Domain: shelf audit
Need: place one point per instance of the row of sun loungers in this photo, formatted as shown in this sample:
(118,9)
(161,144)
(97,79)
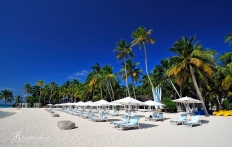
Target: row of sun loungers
(195,120)
(155,116)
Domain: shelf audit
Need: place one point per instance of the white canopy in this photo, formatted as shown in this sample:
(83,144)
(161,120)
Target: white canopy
(152,103)
(80,104)
(49,104)
(89,103)
(114,104)
(128,101)
(102,103)
(187,100)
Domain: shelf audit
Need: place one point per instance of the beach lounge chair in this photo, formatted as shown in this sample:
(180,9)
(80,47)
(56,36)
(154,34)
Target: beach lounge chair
(116,113)
(78,113)
(159,117)
(74,110)
(124,115)
(134,123)
(154,114)
(116,123)
(100,118)
(86,115)
(195,120)
(132,114)
(180,120)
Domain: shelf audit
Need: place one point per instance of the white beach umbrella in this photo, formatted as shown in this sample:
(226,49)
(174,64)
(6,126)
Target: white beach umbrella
(114,104)
(49,104)
(80,104)
(152,103)
(102,103)
(187,100)
(128,101)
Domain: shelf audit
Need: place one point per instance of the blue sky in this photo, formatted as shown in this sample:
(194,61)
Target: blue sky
(60,40)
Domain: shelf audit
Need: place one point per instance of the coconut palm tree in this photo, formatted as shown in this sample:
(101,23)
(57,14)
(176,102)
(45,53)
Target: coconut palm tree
(124,50)
(225,71)
(18,99)
(133,72)
(27,89)
(40,83)
(192,58)
(160,73)
(141,37)
(229,39)
(45,91)
(52,87)
(7,95)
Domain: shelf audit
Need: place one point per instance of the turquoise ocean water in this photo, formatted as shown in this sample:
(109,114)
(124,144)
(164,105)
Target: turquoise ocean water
(5,114)
(7,106)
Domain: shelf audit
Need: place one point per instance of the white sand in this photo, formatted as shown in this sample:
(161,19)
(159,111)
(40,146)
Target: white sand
(39,129)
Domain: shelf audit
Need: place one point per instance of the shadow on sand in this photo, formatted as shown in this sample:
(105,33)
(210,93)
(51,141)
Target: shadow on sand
(145,126)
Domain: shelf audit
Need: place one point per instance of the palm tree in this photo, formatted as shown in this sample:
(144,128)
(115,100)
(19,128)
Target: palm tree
(160,73)
(7,95)
(191,57)
(225,72)
(132,72)
(40,83)
(45,91)
(229,38)
(123,51)
(141,36)
(52,86)
(27,89)
(18,99)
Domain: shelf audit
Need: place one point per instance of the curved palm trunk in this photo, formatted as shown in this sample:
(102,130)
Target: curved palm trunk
(5,102)
(112,91)
(174,88)
(39,97)
(198,91)
(145,52)
(109,93)
(101,91)
(133,89)
(50,97)
(126,77)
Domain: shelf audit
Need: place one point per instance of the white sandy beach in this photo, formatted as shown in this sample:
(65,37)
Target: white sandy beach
(39,129)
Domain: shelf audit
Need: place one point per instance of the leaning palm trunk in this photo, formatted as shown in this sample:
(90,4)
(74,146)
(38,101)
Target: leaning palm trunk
(198,91)
(39,96)
(101,91)
(50,97)
(174,88)
(145,52)
(126,77)
(112,91)
(109,93)
(133,89)
(219,104)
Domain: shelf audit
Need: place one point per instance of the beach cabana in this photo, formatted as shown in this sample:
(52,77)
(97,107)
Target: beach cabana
(187,100)
(128,101)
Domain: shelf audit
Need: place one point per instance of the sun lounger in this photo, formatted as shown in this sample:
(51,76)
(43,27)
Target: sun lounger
(159,117)
(154,114)
(116,113)
(100,118)
(116,123)
(195,120)
(180,120)
(86,115)
(134,123)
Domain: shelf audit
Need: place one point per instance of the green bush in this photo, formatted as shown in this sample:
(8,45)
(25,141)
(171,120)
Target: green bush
(225,104)
(170,106)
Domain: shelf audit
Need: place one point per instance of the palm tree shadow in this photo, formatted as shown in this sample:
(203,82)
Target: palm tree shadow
(145,126)
(140,115)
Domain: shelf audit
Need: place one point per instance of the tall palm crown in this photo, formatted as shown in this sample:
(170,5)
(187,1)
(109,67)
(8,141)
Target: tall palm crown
(7,95)
(18,99)
(141,36)
(229,39)
(160,73)
(27,89)
(191,58)
(124,50)
(225,70)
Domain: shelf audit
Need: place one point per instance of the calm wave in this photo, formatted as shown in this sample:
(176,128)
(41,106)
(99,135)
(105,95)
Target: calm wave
(6,114)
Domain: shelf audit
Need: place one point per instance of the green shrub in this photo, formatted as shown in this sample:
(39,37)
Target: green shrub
(170,106)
